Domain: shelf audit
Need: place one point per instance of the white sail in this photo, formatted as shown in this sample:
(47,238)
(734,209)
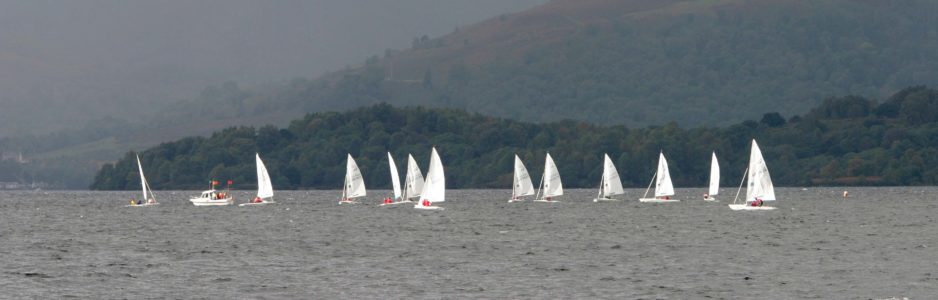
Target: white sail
(434,189)
(552,185)
(264,188)
(143,181)
(663,185)
(395,177)
(354,183)
(522,185)
(760,183)
(714,176)
(413,180)
(611,184)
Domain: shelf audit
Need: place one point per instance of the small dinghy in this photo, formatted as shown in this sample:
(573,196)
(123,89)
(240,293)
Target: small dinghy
(759,188)
(664,189)
(521,185)
(354,186)
(265,190)
(434,189)
(714,179)
(550,182)
(395,185)
(610,184)
(413,181)
(148,198)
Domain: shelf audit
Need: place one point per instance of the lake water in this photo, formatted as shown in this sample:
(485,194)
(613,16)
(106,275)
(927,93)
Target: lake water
(879,243)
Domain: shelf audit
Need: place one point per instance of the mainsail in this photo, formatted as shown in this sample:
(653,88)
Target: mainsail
(552,185)
(413,181)
(434,189)
(760,183)
(663,185)
(264,188)
(354,183)
(714,176)
(147,192)
(522,185)
(395,177)
(611,184)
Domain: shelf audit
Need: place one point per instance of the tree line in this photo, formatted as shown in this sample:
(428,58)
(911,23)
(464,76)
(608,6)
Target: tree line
(844,141)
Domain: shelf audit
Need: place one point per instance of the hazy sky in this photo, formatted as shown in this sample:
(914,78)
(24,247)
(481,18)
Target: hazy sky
(111,52)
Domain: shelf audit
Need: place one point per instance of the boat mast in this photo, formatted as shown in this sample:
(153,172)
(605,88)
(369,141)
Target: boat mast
(539,185)
(741,185)
(649,184)
(599,193)
(406,187)
(514,183)
(151,192)
(344,187)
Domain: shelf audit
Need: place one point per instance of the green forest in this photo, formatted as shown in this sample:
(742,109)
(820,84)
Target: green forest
(844,141)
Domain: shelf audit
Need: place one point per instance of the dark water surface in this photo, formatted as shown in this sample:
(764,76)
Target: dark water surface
(880,243)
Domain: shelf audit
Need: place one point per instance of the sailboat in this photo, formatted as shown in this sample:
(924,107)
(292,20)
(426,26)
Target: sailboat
(760,183)
(664,189)
(610,184)
(550,182)
(521,185)
(265,190)
(434,189)
(714,179)
(354,186)
(395,183)
(148,198)
(413,181)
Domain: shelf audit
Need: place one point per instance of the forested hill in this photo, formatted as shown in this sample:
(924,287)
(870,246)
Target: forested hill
(608,62)
(848,140)
(651,62)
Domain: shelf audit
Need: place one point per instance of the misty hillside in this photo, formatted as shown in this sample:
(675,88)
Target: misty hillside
(643,62)
(63,63)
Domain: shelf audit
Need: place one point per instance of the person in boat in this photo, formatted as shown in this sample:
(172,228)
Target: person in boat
(133,201)
(388,200)
(139,202)
(757,202)
(258,200)
(706,196)
(426,202)
(151,201)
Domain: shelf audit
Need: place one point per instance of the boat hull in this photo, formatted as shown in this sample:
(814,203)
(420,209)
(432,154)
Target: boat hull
(710,199)
(604,200)
(656,200)
(749,207)
(348,202)
(546,201)
(212,202)
(142,205)
(428,207)
(395,203)
(257,203)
